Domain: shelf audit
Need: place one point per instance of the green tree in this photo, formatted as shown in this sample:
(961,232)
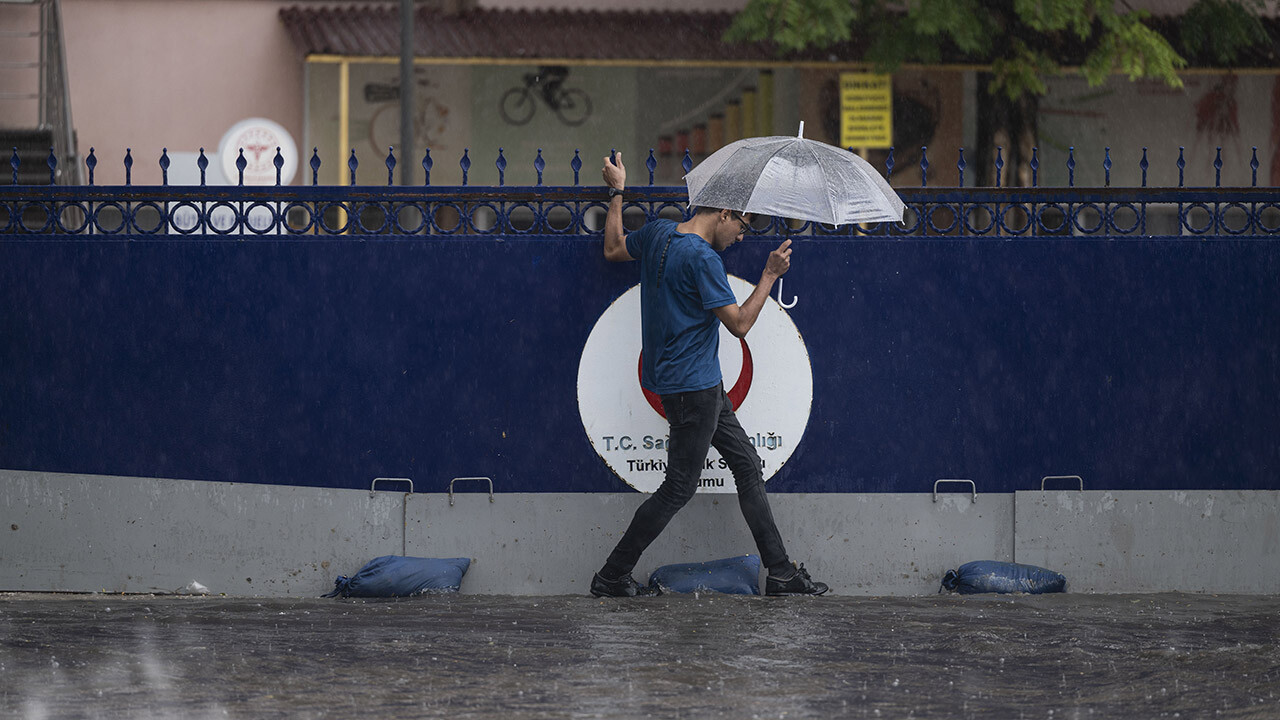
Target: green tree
(1021,42)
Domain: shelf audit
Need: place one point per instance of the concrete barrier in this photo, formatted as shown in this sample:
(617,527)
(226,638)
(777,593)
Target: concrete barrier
(82,533)
(860,544)
(1154,541)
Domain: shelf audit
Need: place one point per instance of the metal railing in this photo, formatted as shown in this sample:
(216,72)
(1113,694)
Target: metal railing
(577,210)
(53,96)
(55,104)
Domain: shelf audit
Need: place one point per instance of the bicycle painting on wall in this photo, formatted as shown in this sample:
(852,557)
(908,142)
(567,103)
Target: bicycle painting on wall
(571,105)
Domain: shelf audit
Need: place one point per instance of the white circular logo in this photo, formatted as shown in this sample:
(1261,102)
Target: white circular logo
(767,376)
(258,138)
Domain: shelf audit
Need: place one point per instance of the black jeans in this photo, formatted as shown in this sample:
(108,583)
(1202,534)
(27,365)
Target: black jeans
(699,420)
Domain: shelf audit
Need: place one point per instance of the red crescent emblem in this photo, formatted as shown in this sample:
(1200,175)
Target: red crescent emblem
(736,395)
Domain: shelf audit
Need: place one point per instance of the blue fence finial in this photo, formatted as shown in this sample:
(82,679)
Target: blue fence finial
(465,164)
(687,162)
(1217,169)
(128,166)
(52,162)
(1182,164)
(14,162)
(501,164)
(352,164)
(241,164)
(888,164)
(651,164)
(572,202)
(1071,166)
(427,162)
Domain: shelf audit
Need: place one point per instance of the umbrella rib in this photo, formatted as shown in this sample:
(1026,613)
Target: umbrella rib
(835,220)
(712,173)
(781,146)
(859,183)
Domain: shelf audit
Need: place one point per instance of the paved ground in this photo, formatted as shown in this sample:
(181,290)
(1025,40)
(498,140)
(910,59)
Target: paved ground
(468,656)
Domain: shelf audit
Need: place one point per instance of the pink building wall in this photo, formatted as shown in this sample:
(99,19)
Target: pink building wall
(176,74)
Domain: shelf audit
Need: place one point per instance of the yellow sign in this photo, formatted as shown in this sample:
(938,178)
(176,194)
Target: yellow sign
(866,110)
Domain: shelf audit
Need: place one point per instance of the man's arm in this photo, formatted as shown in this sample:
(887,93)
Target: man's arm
(738,319)
(615,240)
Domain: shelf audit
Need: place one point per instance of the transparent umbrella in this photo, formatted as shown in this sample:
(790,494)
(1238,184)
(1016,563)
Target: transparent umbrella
(793,177)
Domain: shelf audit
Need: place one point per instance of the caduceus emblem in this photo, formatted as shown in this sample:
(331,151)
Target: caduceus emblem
(259,147)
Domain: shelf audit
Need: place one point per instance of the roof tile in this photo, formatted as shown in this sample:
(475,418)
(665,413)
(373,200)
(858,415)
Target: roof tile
(643,36)
(374,30)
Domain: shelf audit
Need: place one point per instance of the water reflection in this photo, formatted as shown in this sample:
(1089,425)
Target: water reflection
(675,656)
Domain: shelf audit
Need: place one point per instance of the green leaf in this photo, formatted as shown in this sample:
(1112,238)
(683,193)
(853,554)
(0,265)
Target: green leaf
(1218,30)
(1022,73)
(1134,49)
(794,25)
(965,22)
(1011,34)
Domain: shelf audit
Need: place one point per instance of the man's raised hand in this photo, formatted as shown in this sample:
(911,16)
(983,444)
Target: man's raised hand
(779,260)
(615,174)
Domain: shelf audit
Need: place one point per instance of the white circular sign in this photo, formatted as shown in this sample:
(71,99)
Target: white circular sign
(259,138)
(767,375)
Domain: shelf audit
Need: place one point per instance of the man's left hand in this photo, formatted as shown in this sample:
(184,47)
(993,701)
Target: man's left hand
(779,260)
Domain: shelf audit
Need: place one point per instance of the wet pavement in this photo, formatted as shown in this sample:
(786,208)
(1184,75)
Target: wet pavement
(708,656)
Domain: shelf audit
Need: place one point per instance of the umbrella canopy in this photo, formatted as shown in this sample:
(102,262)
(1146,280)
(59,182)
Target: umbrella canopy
(793,177)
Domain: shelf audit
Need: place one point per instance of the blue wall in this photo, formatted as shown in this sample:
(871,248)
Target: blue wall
(1136,364)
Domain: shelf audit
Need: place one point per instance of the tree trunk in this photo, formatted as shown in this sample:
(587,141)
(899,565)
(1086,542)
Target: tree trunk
(1006,129)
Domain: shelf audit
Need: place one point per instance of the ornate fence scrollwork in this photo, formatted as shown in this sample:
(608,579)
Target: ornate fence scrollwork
(301,212)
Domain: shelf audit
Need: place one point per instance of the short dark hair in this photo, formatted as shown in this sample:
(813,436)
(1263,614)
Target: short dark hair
(701,210)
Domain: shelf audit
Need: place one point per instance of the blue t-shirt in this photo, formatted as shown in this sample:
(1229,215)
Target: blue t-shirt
(681,335)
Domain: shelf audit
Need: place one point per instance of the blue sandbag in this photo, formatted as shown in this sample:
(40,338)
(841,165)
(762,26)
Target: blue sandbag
(735,576)
(990,576)
(400,576)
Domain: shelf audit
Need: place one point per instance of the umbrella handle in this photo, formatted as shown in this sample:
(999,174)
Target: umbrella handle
(786,305)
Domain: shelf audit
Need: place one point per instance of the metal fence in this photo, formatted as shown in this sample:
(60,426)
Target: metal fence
(389,210)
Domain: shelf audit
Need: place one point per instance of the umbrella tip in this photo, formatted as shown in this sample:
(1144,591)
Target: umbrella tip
(801,135)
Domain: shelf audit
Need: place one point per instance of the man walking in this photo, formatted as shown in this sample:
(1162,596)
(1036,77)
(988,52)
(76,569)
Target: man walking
(684,298)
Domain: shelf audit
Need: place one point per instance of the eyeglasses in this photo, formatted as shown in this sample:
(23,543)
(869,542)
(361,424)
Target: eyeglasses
(745,225)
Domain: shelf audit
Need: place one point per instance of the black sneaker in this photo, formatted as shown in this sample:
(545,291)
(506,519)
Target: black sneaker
(798,584)
(625,586)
